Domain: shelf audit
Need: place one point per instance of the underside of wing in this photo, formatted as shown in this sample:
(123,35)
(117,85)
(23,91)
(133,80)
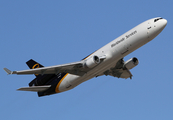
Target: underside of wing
(122,68)
(72,68)
(120,73)
(35,88)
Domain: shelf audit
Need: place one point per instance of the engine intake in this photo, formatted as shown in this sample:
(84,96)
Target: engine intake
(131,63)
(91,62)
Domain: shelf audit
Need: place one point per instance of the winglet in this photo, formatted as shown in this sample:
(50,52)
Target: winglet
(8,71)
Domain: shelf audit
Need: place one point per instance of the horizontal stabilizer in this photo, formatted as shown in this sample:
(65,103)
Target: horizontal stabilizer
(35,88)
(8,71)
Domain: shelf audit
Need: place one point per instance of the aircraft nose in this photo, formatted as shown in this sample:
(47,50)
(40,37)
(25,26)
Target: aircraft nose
(164,22)
(160,25)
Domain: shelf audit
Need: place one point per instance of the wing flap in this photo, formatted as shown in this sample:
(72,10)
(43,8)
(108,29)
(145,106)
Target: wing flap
(35,88)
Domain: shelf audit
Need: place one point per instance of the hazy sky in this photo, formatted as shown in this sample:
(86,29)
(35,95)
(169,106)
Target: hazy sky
(63,31)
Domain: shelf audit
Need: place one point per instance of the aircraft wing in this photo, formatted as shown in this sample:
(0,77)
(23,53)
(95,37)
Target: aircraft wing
(75,68)
(119,71)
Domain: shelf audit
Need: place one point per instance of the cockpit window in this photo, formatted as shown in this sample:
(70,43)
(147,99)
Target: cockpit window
(155,20)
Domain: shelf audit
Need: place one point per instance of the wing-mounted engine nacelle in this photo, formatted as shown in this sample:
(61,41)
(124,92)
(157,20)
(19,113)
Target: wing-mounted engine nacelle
(91,62)
(131,63)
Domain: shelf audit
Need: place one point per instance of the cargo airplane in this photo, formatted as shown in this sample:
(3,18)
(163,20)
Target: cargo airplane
(107,60)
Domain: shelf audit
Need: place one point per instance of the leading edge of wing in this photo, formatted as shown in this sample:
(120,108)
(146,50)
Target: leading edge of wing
(49,70)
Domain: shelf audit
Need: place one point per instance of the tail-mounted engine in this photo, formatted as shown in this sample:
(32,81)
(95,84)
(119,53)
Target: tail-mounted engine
(91,62)
(131,63)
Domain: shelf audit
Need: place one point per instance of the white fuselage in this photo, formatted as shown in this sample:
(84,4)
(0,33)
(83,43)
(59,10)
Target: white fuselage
(115,50)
